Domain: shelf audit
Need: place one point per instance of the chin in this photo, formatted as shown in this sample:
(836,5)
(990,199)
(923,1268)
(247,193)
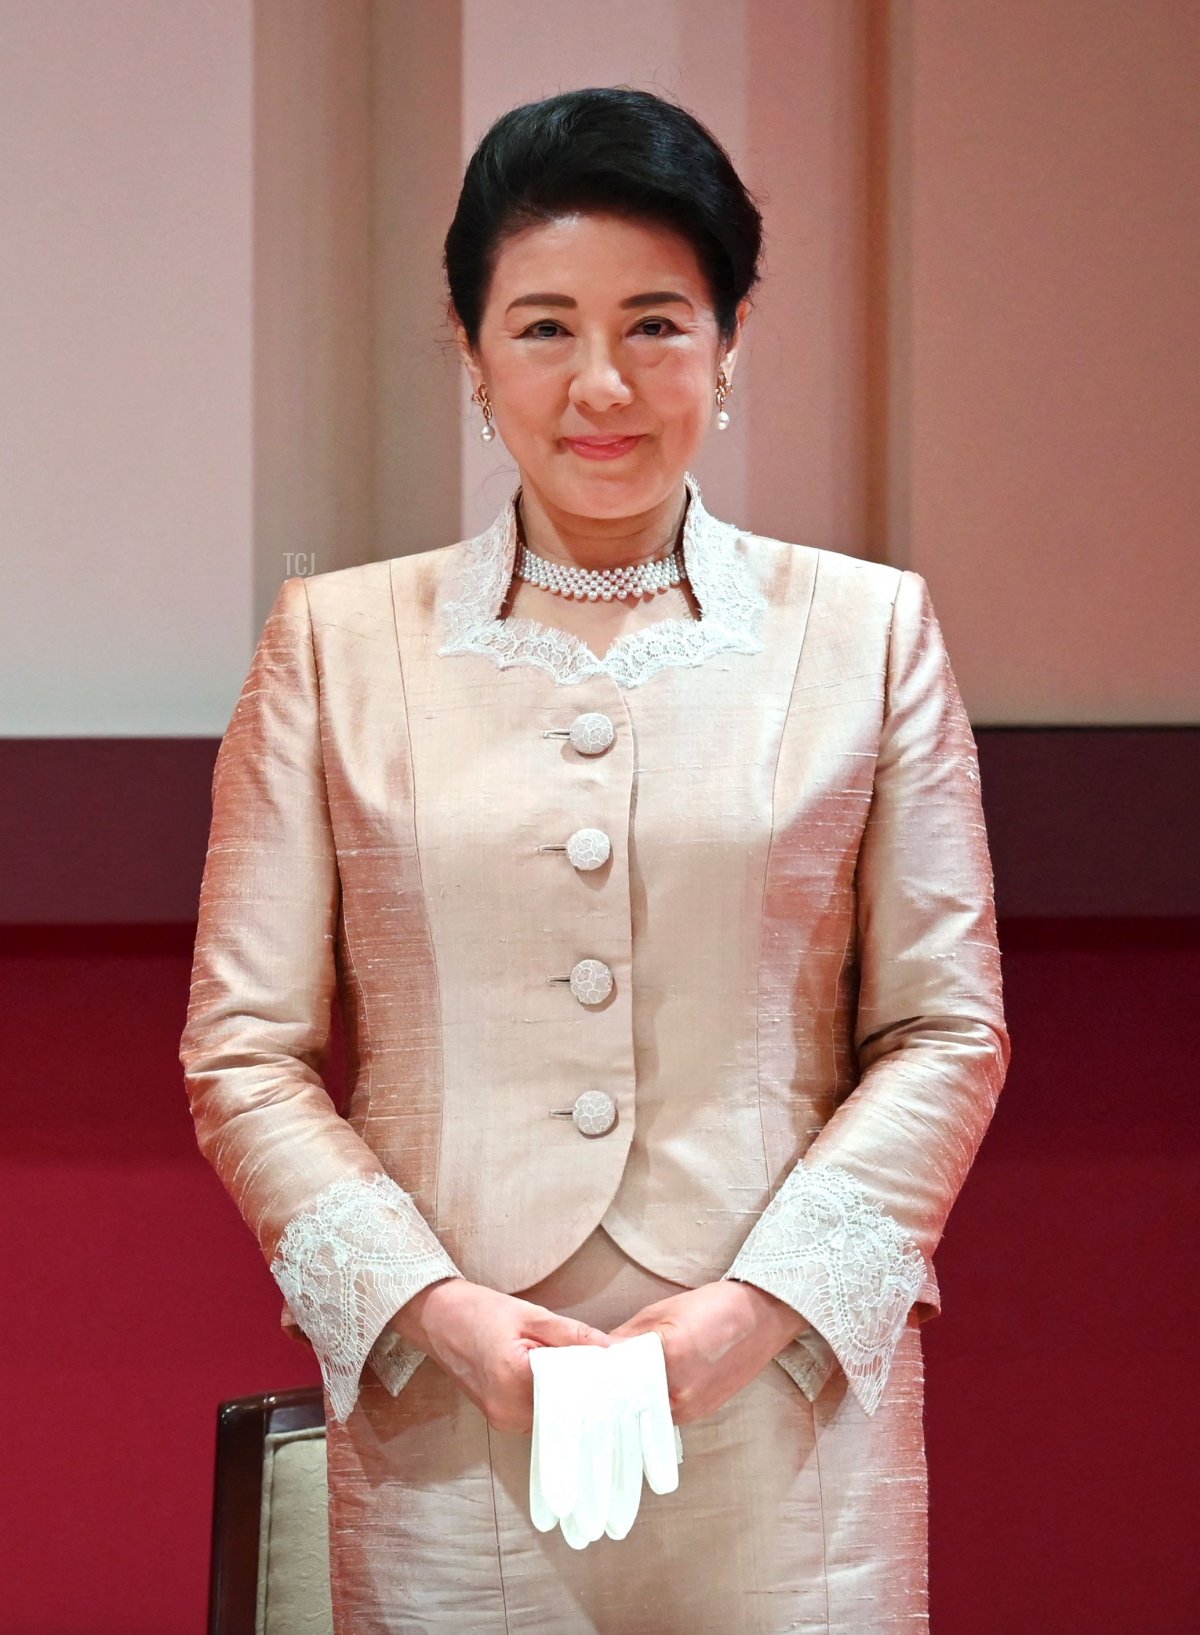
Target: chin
(607,489)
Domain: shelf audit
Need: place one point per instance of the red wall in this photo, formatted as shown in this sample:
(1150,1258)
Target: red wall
(1063,1474)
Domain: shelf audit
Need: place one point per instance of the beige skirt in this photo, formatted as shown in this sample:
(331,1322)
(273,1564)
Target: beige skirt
(789,1515)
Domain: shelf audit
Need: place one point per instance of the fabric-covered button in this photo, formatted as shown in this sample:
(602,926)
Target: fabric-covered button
(589,848)
(591,733)
(591,981)
(594,1113)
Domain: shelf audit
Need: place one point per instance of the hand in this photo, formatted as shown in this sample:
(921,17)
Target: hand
(716,1339)
(483,1338)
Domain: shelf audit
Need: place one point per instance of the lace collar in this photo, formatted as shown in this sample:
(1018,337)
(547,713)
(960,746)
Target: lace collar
(731,607)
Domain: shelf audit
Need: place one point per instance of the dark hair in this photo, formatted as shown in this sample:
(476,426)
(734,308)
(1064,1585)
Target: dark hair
(606,148)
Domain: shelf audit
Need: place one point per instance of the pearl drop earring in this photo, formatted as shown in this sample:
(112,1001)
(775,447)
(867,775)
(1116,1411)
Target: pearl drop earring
(723,389)
(480,396)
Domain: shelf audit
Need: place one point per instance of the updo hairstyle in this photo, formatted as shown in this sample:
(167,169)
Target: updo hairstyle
(613,149)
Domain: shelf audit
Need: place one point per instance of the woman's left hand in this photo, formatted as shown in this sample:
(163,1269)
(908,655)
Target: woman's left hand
(716,1339)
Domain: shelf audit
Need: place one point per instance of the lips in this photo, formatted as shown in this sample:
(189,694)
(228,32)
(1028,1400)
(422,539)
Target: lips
(602,448)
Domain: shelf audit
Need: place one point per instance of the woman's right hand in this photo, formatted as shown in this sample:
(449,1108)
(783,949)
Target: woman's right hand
(483,1338)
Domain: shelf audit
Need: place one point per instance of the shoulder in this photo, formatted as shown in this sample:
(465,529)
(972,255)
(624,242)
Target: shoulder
(830,579)
(878,601)
(366,583)
(344,584)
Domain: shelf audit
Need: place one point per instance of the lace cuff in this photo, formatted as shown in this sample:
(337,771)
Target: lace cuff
(823,1246)
(346,1264)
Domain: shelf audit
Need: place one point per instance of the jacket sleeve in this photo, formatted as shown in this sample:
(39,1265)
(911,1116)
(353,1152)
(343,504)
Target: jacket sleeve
(346,1244)
(848,1238)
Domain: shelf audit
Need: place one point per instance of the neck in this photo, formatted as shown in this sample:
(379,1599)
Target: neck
(600,542)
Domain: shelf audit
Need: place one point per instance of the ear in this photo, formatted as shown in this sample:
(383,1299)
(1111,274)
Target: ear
(469,360)
(729,358)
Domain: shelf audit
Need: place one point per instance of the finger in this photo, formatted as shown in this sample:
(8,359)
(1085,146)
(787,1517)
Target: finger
(551,1329)
(540,1513)
(643,1320)
(573,1533)
(658,1431)
(591,1508)
(562,1434)
(658,1448)
(627,1477)
(602,1463)
(559,1426)
(595,1399)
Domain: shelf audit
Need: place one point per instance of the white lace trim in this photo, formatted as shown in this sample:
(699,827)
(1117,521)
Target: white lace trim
(827,1249)
(731,607)
(346,1264)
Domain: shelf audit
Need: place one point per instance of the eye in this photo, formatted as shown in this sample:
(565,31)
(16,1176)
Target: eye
(542,323)
(548,329)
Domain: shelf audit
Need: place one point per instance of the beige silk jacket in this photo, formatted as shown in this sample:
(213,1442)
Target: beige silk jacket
(695,941)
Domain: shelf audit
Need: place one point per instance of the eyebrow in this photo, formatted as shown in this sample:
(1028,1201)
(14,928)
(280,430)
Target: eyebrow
(652,298)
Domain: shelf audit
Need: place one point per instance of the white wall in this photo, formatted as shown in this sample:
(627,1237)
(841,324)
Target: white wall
(126,386)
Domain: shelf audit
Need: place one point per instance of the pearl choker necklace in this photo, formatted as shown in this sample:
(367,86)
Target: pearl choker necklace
(599,584)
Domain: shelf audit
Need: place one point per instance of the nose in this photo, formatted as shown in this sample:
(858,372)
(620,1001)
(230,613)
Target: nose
(597,383)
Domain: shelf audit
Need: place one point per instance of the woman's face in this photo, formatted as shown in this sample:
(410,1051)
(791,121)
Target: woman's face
(595,328)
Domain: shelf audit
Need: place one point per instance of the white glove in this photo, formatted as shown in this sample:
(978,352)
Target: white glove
(601,1418)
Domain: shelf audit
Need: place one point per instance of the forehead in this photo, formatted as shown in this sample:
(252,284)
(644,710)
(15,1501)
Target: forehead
(595,255)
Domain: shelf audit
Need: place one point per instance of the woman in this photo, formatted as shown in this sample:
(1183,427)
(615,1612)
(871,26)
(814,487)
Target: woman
(663,930)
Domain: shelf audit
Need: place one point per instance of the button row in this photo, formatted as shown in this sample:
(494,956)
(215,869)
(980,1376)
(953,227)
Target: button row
(594,1112)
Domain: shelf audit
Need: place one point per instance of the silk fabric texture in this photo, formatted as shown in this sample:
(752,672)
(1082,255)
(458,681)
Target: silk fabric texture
(805,1036)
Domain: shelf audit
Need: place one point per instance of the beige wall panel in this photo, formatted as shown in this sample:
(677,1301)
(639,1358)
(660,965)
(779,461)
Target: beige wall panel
(313,347)
(417,171)
(1048,393)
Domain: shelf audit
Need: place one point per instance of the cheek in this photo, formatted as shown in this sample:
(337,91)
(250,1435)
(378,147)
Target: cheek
(529,395)
(681,378)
